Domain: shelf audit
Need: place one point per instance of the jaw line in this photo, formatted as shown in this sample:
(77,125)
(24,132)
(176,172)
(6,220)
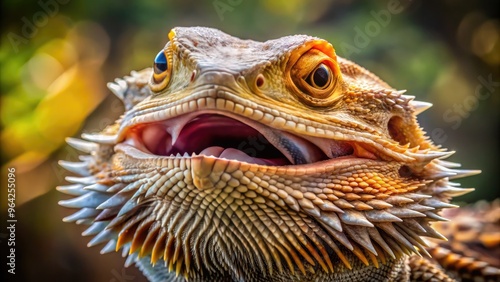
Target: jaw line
(324,165)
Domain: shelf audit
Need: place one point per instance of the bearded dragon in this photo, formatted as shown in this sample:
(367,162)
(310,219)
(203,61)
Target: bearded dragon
(238,160)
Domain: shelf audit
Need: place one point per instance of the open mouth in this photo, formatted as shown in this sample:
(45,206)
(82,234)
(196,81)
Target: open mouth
(235,139)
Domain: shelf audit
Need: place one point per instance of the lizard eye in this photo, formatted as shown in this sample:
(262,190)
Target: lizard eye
(315,75)
(162,69)
(160,64)
(320,77)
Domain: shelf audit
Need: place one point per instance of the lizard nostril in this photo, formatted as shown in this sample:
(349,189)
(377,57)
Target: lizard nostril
(259,81)
(193,75)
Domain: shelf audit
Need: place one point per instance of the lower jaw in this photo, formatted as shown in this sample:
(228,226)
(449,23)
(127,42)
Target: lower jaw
(340,162)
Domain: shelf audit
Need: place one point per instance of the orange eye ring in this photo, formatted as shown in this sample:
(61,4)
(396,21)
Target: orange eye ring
(162,70)
(314,75)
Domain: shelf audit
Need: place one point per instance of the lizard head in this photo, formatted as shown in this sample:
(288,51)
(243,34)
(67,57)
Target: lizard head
(276,156)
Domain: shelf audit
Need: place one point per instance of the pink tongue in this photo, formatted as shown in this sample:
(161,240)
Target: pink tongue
(212,151)
(231,154)
(235,154)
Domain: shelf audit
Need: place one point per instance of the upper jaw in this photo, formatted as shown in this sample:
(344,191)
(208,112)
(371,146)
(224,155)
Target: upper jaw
(162,125)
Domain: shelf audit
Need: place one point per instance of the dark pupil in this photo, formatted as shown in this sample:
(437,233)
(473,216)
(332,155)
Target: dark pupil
(320,76)
(160,63)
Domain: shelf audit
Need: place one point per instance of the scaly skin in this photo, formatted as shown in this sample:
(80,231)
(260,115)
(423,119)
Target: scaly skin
(351,192)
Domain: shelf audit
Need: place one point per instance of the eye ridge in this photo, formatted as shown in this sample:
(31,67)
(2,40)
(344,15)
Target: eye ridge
(320,77)
(160,63)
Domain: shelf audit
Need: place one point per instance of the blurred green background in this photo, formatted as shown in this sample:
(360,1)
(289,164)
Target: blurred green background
(56,57)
